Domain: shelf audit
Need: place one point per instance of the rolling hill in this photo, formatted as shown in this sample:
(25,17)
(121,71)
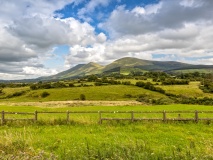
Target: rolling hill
(128,63)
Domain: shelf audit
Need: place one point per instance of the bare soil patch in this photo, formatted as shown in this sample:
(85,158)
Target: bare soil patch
(73,103)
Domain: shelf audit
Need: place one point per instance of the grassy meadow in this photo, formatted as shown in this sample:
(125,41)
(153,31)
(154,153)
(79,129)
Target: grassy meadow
(83,138)
(51,137)
(112,92)
(186,90)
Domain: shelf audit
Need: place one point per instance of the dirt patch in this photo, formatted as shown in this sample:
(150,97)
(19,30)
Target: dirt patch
(73,103)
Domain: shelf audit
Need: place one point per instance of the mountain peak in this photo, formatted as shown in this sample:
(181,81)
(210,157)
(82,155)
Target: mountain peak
(127,64)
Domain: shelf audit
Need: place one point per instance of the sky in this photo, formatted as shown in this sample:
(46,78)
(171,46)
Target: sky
(45,37)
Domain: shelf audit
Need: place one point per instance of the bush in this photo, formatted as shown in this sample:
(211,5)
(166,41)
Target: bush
(82,97)
(128,96)
(71,85)
(16,94)
(33,87)
(126,83)
(44,94)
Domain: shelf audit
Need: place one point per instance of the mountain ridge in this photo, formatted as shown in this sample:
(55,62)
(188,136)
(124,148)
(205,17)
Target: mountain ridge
(81,70)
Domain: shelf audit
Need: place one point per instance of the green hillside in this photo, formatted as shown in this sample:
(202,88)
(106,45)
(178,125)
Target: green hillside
(126,65)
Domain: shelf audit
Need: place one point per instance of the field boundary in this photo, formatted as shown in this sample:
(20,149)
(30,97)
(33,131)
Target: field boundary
(104,115)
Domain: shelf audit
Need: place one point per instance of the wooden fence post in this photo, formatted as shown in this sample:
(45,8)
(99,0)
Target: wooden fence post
(132,116)
(164,116)
(36,116)
(100,118)
(196,116)
(68,116)
(2,118)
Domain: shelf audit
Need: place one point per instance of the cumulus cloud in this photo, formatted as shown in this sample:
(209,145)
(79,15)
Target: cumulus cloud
(44,32)
(12,49)
(13,9)
(79,54)
(90,7)
(166,14)
(29,30)
(178,28)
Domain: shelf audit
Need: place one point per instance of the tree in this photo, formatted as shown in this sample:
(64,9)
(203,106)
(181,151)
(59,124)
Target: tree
(82,97)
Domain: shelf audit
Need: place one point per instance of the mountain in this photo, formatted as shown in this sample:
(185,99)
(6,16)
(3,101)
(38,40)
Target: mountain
(147,65)
(127,64)
(77,71)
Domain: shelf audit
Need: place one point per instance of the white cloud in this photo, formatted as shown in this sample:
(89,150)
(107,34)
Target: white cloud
(139,10)
(90,7)
(38,71)
(13,49)
(29,31)
(43,32)
(101,38)
(79,54)
(165,15)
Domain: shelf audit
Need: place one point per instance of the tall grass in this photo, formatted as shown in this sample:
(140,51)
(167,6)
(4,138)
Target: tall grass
(83,138)
(108,141)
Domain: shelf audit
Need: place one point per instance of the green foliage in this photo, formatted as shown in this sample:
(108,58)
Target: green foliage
(44,94)
(58,85)
(82,97)
(92,78)
(128,96)
(2,85)
(1,91)
(149,86)
(71,85)
(16,94)
(172,81)
(207,86)
(126,83)
(33,87)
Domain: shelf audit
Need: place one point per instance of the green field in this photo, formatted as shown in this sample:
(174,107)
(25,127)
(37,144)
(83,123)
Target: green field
(84,138)
(112,92)
(52,137)
(191,90)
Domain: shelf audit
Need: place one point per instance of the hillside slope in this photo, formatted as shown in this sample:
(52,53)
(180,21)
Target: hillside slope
(128,63)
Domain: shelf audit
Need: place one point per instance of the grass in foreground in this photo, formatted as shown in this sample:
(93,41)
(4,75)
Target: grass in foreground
(86,139)
(108,141)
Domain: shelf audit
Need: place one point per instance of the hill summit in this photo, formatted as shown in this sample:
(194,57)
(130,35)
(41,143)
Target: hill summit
(127,63)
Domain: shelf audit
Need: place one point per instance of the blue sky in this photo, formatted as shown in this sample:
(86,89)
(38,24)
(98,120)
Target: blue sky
(44,37)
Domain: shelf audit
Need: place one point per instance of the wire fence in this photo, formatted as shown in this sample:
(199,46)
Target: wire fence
(101,116)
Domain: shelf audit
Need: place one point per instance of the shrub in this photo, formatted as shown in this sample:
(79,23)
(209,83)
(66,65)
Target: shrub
(128,96)
(33,87)
(1,91)
(45,94)
(98,84)
(71,85)
(126,83)
(82,97)
(18,93)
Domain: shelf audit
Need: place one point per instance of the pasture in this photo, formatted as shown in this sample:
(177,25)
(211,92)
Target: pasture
(111,92)
(84,138)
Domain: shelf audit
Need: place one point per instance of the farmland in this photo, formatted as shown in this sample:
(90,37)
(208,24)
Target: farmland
(84,138)
(52,136)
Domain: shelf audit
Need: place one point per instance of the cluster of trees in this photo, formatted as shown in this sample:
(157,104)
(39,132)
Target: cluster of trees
(192,76)
(172,81)
(149,86)
(47,85)
(194,100)
(207,86)
(13,85)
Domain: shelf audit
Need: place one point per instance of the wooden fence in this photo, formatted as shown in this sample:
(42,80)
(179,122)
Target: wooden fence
(104,115)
